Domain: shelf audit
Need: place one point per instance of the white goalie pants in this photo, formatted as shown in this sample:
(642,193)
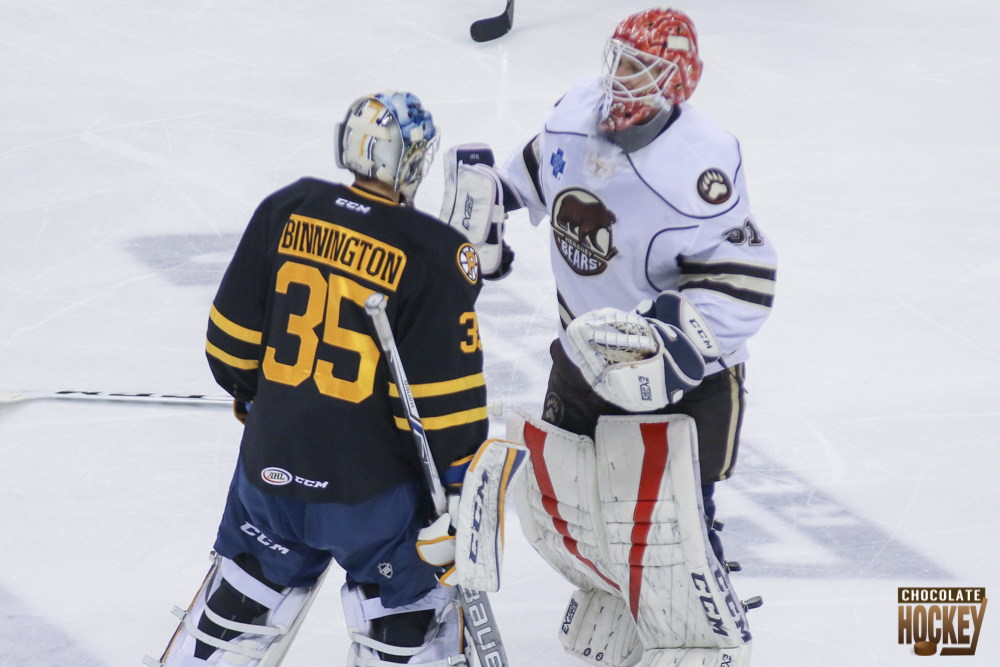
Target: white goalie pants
(623,520)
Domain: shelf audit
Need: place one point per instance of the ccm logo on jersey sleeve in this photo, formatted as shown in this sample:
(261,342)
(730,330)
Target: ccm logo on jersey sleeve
(343,248)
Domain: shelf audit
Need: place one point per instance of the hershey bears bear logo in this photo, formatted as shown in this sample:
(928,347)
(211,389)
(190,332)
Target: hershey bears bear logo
(581,225)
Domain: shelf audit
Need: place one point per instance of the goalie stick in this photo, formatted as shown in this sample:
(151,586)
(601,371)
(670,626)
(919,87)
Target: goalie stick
(480,623)
(485,30)
(119,397)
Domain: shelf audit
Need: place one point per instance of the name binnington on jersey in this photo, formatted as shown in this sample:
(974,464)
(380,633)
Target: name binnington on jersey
(343,248)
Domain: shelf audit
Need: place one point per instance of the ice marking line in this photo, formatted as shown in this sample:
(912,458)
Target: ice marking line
(778,524)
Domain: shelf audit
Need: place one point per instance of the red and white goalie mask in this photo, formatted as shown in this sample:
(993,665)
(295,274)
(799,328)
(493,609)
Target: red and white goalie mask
(650,63)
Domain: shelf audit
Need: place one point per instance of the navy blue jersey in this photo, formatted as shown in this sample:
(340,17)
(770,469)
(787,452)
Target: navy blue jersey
(288,331)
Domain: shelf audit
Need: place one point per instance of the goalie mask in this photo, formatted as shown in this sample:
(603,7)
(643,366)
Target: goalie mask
(650,63)
(388,137)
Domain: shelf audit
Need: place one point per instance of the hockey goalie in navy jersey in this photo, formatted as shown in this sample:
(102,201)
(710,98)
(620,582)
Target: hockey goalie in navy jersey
(662,275)
(327,466)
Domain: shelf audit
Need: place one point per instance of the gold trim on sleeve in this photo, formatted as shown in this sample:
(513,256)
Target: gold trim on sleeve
(446,421)
(441,388)
(233,329)
(230,360)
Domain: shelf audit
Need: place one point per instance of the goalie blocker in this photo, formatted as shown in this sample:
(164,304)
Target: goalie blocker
(622,520)
(475,202)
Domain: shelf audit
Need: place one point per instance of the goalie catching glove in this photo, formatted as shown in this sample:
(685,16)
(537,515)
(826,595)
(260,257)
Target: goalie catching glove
(676,309)
(474,203)
(639,365)
(467,541)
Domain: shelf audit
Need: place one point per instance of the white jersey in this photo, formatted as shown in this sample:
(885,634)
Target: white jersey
(673,215)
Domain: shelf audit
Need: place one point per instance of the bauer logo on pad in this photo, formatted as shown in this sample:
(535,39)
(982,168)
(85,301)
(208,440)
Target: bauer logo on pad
(929,617)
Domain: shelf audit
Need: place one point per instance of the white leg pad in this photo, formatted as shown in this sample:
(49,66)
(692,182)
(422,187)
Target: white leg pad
(698,657)
(479,527)
(442,645)
(257,645)
(558,503)
(676,589)
(598,629)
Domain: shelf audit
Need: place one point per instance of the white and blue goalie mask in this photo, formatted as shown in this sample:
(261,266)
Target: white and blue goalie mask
(390,137)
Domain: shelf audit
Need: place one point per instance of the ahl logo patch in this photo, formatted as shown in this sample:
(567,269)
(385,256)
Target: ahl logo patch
(468,262)
(581,225)
(714,186)
(385,569)
(276,476)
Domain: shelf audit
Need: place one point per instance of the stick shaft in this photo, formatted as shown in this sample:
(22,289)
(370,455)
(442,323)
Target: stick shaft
(375,307)
(117,397)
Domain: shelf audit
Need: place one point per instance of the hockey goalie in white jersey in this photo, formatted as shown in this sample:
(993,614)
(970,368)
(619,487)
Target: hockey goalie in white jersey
(662,274)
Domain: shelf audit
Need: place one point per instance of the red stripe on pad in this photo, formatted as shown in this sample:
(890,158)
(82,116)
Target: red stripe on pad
(534,438)
(654,464)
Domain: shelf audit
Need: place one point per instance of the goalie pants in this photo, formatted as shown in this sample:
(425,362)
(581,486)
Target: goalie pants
(716,406)
(294,540)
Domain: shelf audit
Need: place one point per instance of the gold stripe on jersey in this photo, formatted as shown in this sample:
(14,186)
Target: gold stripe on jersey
(345,249)
(230,360)
(462,461)
(233,329)
(445,421)
(441,388)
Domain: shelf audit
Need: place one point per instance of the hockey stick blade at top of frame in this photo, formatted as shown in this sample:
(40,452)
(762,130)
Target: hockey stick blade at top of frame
(7,397)
(485,30)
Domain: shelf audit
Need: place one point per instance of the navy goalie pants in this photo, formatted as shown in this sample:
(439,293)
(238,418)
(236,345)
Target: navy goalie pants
(374,541)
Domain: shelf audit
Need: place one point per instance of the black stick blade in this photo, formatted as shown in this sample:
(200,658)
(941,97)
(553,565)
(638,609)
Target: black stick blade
(485,30)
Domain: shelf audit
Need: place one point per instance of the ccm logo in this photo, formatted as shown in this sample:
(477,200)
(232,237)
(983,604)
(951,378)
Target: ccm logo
(477,517)
(254,531)
(281,477)
(352,206)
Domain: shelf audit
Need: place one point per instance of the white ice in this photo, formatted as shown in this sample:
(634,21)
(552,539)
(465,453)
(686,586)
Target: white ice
(137,137)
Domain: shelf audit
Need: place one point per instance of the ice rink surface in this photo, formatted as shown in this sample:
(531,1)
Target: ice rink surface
(136,138)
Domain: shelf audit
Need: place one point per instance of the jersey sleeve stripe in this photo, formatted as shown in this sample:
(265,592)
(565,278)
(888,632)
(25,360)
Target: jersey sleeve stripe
(446,421)
(755,298)
(529,159)
(230,360)
(762,271)
(734,280)
(565,314)
(441,388)
(233,329)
